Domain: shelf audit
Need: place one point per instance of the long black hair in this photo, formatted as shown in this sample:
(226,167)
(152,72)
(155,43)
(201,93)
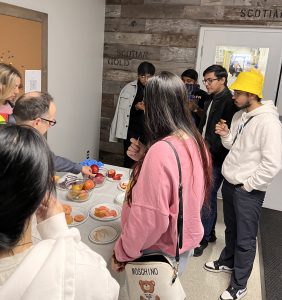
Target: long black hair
(166,113)
(26,177)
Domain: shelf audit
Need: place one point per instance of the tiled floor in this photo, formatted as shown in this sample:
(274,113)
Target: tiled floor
(201,284)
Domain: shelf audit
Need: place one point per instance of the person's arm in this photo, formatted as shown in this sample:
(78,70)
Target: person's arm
(62,164)
(271,158)
(144,227)
(52,225)
(222,130)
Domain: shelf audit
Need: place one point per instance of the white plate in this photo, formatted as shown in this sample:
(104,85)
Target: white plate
(110,206)
(123,182)
(120,199)
(124,176)
(103,235)
(78,211)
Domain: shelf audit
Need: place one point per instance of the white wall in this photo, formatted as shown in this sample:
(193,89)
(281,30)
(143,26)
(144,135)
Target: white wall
(75,62)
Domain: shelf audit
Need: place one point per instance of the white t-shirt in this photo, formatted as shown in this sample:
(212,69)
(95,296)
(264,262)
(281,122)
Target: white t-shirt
(205,127)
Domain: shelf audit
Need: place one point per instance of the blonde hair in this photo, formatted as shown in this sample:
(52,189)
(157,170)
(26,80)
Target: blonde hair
(8,77)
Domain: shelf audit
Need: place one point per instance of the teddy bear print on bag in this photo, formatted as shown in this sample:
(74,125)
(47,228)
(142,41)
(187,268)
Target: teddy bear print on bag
(148,288)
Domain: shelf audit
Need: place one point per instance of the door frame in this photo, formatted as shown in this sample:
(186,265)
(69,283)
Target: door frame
(211,27)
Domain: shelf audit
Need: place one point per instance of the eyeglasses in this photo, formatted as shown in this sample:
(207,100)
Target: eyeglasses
(51,123)
(237,93)
(209,80)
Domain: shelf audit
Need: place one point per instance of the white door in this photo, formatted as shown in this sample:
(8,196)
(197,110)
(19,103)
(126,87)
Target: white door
(244,48)
(238,49)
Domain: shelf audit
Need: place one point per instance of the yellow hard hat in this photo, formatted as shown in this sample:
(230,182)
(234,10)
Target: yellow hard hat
(250,81)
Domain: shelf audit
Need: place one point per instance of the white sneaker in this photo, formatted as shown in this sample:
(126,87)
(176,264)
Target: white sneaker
(233,294)
(214,266)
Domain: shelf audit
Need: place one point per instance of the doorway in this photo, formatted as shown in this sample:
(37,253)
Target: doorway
(240,48)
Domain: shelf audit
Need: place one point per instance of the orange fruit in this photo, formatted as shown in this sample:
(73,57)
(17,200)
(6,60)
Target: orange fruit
(88,185)
(79,218)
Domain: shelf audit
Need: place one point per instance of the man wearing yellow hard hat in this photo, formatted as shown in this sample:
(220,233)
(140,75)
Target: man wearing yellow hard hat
(255,143)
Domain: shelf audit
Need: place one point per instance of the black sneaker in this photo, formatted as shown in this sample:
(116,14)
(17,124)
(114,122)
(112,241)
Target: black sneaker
(199,250)
(213,237)
(233,294)
(214,266)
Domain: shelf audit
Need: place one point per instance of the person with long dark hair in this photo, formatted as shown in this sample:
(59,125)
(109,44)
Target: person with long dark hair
(149,216)
(60,266)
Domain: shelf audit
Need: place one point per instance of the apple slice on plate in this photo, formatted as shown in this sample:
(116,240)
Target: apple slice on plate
(122,186)
(116,175)
(105,211)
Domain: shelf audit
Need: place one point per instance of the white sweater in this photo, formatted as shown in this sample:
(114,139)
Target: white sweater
(60,267)
(256,156)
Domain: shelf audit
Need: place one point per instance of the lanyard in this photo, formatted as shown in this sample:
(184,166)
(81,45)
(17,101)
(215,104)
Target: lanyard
(240,128)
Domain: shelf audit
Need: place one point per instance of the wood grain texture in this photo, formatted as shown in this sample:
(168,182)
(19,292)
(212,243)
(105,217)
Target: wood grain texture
(112,11)
(175,26)
(164,32)
(125,25)
(227,2)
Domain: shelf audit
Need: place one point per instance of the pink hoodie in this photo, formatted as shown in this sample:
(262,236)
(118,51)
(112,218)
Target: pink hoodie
(151,221)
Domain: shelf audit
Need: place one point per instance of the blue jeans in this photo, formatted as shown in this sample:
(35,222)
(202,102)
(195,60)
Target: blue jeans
(209,213)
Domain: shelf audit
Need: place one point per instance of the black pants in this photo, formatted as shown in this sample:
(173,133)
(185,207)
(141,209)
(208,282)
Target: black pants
(241,217)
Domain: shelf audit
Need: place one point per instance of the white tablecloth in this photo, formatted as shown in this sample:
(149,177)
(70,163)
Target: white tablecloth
(106,193)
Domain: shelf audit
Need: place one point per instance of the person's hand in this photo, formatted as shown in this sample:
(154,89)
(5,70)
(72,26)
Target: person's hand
(136,150)
(221,128)
(193,105)
(140,105)
(117,266)
(48,208)
(86,170)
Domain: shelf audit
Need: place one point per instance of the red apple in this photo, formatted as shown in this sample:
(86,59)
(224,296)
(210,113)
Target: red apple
(111,173)
(94,168)
(99,178)
(99,175)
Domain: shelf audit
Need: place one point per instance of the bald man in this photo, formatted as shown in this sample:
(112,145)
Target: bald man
(38,110)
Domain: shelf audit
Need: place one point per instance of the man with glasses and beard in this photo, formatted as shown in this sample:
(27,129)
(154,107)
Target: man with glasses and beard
(38,110)
(255,144)
(219,107)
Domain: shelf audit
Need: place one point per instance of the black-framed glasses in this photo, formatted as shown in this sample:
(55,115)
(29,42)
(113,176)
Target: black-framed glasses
(209,80)
(51,122)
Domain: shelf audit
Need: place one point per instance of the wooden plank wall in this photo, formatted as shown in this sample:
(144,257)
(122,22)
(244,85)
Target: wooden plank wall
(164,32)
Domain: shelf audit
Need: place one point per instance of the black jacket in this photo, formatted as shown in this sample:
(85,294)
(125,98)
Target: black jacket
(224,108)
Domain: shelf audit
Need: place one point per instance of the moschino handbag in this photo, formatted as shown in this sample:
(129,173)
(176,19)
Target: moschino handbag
(155,276)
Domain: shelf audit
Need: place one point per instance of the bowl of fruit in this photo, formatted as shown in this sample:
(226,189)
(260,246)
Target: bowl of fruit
(79,190)
(100,177)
